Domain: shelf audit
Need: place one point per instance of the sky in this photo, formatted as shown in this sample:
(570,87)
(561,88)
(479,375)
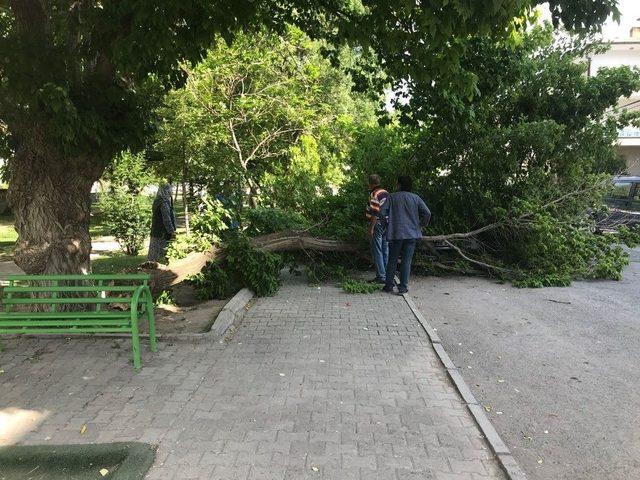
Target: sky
(630,13)
(629,17)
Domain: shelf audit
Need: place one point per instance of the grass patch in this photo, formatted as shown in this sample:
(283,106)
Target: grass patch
(117,262)
(97,227)
(8,237)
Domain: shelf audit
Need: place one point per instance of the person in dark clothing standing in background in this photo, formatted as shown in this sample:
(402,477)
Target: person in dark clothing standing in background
(163,224)
(379,246)
(404,214)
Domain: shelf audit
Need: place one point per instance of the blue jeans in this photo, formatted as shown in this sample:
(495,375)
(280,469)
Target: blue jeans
(379,250)
(403,249)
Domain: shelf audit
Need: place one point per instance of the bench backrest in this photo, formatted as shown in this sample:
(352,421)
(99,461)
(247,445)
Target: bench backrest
(86,291)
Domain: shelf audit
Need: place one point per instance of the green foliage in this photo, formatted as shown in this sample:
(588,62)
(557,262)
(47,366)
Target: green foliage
(264,220)
(79,80)
(358,286)
(165,298)
(212,219)
(533,149)
(320,272)
(131,171)
(243,266)
(267,115)
(207,226)
(183,245)
(127,217)
(257,269)
(213,282)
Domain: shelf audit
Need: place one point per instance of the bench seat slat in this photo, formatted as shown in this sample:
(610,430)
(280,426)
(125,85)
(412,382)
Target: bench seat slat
(64,315)
(68,331)
(64,300)
(29,324)
(62,278)
(97,289)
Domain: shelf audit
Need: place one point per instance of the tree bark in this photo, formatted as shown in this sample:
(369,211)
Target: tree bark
(51,200)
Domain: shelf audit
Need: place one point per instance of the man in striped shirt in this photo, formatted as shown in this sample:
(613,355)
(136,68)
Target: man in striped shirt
(379,246)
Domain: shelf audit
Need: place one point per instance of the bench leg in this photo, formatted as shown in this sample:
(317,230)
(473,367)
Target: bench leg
(135,342)
(152,324)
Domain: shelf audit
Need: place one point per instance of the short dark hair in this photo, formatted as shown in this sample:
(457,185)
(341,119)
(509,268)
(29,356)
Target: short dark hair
(405,183)
(374,179)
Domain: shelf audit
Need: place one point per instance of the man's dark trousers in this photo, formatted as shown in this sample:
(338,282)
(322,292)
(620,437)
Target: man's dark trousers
(400,249)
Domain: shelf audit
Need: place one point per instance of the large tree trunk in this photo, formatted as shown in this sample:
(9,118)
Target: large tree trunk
(50,198)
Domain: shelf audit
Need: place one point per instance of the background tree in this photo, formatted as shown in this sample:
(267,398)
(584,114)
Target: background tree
(266,116)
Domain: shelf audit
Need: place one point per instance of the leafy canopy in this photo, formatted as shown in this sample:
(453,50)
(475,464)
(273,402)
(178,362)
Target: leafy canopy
(82,74)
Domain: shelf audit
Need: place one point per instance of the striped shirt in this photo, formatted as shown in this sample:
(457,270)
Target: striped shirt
(377,197)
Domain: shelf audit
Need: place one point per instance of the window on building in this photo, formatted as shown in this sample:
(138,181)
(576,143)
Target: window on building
(635,32)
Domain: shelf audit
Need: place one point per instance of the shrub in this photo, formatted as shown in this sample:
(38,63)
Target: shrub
(128,218)
(243,266)
(257,269)
(264,220)
(214,283)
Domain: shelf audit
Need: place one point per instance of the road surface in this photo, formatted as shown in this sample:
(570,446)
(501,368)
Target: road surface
(557,368)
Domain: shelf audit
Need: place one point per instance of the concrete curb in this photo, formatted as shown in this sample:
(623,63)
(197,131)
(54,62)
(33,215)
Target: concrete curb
(512,470)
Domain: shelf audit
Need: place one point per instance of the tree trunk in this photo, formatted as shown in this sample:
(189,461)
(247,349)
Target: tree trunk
(253,193)
(51,200)
(185,207)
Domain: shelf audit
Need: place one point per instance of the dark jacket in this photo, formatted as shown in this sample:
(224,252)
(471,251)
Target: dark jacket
(163,221)
(405,214)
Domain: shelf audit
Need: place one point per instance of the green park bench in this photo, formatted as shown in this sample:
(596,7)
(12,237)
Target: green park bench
(89,296)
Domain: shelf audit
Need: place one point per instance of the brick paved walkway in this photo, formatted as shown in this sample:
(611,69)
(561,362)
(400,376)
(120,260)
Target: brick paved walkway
(315,384)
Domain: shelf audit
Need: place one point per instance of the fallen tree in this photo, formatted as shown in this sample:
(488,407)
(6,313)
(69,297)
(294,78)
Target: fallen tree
(164,276)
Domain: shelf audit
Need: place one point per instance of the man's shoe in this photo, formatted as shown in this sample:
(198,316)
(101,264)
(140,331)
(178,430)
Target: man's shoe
(387,289)
(379,280)
(402,292)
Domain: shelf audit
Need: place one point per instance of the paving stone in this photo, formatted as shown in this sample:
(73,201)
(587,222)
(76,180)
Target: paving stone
(314,384)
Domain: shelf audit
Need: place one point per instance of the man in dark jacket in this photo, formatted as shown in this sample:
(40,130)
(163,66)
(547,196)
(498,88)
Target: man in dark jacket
(405,214)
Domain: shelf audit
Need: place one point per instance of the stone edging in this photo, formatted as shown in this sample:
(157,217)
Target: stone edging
(228,319)
(502,452)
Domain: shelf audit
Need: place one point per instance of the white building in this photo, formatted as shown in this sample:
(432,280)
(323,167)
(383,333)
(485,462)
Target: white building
(625,50)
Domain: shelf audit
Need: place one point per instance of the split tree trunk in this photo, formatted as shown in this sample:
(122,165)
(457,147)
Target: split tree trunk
(51,200)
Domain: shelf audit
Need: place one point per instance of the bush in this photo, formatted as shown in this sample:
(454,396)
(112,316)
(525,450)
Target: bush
(128,218)
(264,220)
(214,283)
(243,266)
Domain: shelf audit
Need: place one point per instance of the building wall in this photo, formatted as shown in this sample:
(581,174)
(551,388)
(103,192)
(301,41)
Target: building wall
(631,155)
(624,52)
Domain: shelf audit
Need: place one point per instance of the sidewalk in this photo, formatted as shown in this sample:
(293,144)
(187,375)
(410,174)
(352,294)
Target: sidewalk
(315,384)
